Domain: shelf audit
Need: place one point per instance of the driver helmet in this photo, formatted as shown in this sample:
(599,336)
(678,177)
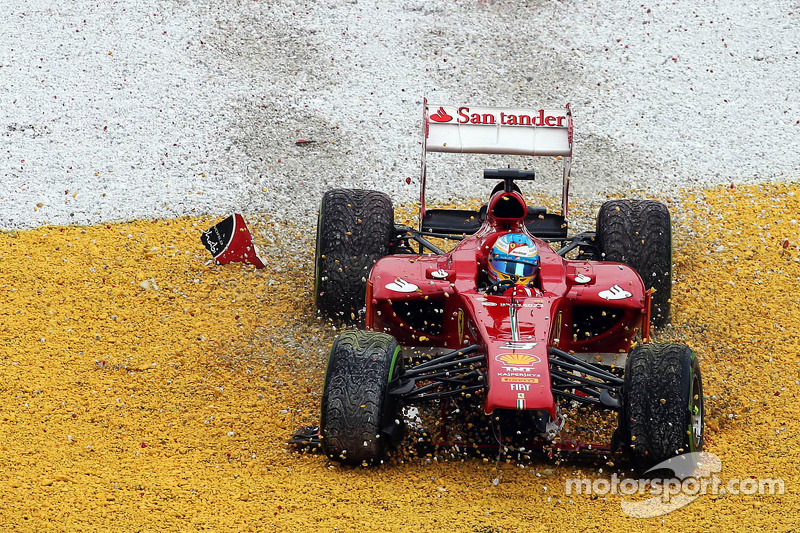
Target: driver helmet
(514,257)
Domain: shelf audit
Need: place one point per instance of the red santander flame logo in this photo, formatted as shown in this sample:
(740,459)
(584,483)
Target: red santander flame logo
(441,116)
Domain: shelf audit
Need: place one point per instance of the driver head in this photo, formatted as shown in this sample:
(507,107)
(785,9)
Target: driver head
(514,257)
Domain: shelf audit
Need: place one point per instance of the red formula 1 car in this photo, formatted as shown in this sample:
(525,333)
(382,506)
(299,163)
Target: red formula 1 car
(521,350)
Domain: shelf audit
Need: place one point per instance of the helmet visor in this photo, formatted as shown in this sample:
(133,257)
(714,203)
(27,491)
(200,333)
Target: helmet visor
(517,269)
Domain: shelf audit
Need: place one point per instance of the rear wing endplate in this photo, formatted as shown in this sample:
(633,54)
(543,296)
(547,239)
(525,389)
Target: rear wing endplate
(497,130)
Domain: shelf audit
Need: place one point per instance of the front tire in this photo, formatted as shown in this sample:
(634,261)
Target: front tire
(354,229)
(662,414)
(639,234)
(360,421)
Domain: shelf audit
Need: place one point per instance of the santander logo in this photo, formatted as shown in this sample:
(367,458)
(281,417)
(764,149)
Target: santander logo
(441,116)
(538,118)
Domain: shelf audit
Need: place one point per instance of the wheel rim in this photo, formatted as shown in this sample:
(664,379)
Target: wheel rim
(696,414)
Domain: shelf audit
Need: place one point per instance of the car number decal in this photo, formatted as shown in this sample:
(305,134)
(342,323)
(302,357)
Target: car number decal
(512,345)
(401,285)
(615,293)
(439,274)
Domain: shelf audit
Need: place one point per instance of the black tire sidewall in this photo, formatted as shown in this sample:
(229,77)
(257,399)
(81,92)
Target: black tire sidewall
(656,418)
(318,257)
(354,229)
(622,225)
(356,409)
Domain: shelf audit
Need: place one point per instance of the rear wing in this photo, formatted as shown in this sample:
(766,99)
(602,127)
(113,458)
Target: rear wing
(497,130)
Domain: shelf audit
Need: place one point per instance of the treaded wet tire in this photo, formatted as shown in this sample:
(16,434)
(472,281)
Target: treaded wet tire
(360,422)
(662,414)
(354,229)
(639,234)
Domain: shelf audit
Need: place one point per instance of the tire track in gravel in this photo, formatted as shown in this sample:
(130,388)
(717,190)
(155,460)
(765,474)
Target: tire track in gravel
(352,75)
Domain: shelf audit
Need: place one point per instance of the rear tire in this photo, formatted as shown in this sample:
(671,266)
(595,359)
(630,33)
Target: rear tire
(639,234)
(354,229)
(662,414)
(360,421)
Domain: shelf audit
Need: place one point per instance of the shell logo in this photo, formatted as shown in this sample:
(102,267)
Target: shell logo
(517,359)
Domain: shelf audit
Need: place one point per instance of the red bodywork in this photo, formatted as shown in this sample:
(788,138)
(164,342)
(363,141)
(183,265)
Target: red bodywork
(437,301)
